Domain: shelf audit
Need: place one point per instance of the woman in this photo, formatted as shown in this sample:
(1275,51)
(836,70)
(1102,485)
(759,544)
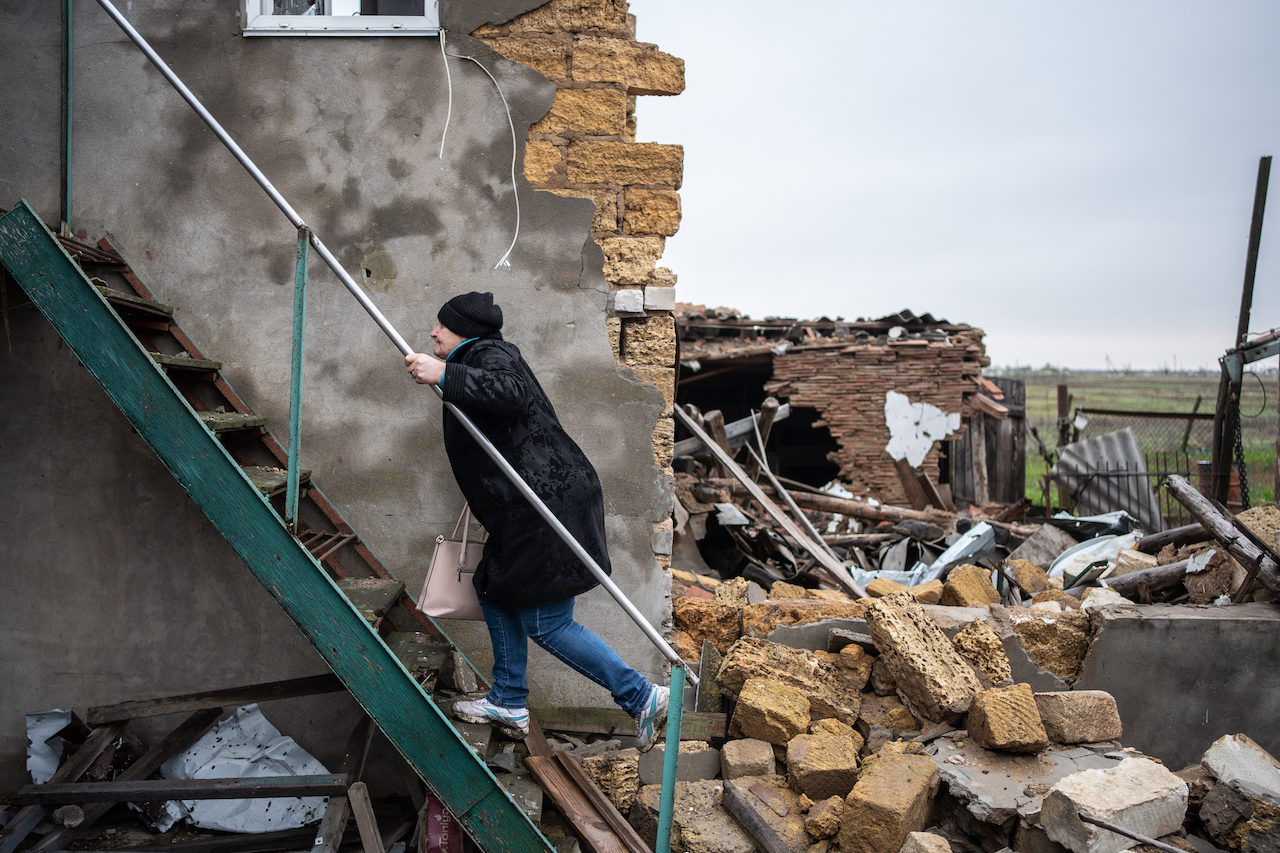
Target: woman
(528,577)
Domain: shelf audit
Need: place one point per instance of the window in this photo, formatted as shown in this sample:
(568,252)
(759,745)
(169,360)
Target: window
(341,18)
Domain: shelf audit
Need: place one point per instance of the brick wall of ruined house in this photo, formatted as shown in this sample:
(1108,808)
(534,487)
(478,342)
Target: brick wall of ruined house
(586,146)
(848,386)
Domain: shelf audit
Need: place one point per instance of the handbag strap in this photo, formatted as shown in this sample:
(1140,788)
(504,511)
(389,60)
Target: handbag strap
(464,521)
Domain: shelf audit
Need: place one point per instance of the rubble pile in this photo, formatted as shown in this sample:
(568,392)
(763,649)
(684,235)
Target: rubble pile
(896,725)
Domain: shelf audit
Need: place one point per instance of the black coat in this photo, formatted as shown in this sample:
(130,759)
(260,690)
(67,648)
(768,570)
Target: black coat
(525,563)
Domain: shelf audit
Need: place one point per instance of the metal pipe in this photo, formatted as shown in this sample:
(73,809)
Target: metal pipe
(396,338)
(670,757)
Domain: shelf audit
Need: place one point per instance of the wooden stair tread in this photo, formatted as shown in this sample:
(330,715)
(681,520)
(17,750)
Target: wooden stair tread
(227,421)
(124,299)
(419,652)
(268,479)
(373,597)
(183,363)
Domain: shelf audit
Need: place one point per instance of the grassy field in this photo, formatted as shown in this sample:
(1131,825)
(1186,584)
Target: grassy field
(1154,392)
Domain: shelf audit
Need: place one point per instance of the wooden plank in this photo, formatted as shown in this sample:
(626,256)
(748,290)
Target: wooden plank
(182,363)
(819,552)
(990,407)
(737,804)
(935,498)
(370,836)
(233,697)
(247,520)
(608,721)
(151,790)
(373,597)
(910,485)
(574,805)
(137,302)
(978,459)
(261,842)
(1249,555)
(176,742)
(20,825)
(604,806)
(334,823)
(227,421)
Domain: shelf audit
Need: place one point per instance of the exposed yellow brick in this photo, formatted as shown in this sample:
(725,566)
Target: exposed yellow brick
(649,341)
(606,218)
(664,437)
(652,211)
(662,377)
(631,260)
(547,56)
(540,161)
(592,112)
(642,68)
(614,325)
(625,163)
(574,16)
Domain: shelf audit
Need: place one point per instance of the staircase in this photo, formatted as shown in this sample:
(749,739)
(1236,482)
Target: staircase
(330,584)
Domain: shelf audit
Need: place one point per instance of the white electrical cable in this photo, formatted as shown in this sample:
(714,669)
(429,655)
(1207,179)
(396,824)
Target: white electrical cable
(449,79)
(503,261)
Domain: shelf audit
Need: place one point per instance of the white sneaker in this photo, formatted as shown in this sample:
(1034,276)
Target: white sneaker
(512,722)
(650,721)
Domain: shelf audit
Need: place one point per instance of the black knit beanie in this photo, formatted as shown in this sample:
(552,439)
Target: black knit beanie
(472,315)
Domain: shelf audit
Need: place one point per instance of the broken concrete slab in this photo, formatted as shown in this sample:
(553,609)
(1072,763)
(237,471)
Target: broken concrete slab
(697,760)
(775,807)
(1242,810)
(817,635)
(889,802)
(931,677)
(746,757)
(1006,718)
(1079,716)
(831,691)
(1218,661)
(1138,794)
(822,765)
(699,822)
(758,620)
(1043,546)
(770,711)
(996,787)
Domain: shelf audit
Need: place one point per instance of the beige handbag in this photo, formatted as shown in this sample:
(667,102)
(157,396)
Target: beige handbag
(448,592)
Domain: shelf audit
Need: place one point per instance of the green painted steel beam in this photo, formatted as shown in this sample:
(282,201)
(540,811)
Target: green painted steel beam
(243,516)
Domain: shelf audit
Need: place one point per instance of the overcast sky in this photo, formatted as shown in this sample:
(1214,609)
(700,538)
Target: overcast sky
(1075,178)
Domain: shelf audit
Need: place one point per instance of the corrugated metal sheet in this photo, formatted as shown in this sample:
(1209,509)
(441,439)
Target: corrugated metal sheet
(1108,473)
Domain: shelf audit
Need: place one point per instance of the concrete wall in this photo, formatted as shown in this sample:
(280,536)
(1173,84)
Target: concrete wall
(118,588)
(1185,675)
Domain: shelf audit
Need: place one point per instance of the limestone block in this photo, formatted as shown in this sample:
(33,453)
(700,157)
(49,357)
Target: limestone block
(1005,718)
(1138,794)
(823,820)
(574,16)
(699,822)
(929,592)
(651,211)
(1096,598)
(642,68)
(770,711)
(887,711)
(1057,642)
(882,679)
(890,801)
(686,646)
(758,620)
(590,112)
(547,56)
(822,765)
(646,163)
(540,161)
(978,642)
(1066,600)
(697,760)
(746,757)
(1079,716)
(630,260)
(925,842)
(880,587)
(969,586)
(784,591)
(1027,575)
(733,591)
(830,691)
(629,300)
(1129,560)
(1242,811)
(649,341)
(931,677)
(853,662)
(716,622)
(659,298)
(835,727)
(606,201)
(617,775)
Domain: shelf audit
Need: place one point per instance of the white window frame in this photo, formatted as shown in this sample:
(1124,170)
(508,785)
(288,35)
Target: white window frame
(257,20)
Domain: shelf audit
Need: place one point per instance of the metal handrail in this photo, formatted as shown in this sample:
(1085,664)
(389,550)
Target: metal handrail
(543,510)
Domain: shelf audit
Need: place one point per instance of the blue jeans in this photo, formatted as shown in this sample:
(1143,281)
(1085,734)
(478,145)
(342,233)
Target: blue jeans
(552,627)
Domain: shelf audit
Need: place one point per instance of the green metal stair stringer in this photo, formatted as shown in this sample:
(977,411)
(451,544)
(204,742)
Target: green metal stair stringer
(213,479)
